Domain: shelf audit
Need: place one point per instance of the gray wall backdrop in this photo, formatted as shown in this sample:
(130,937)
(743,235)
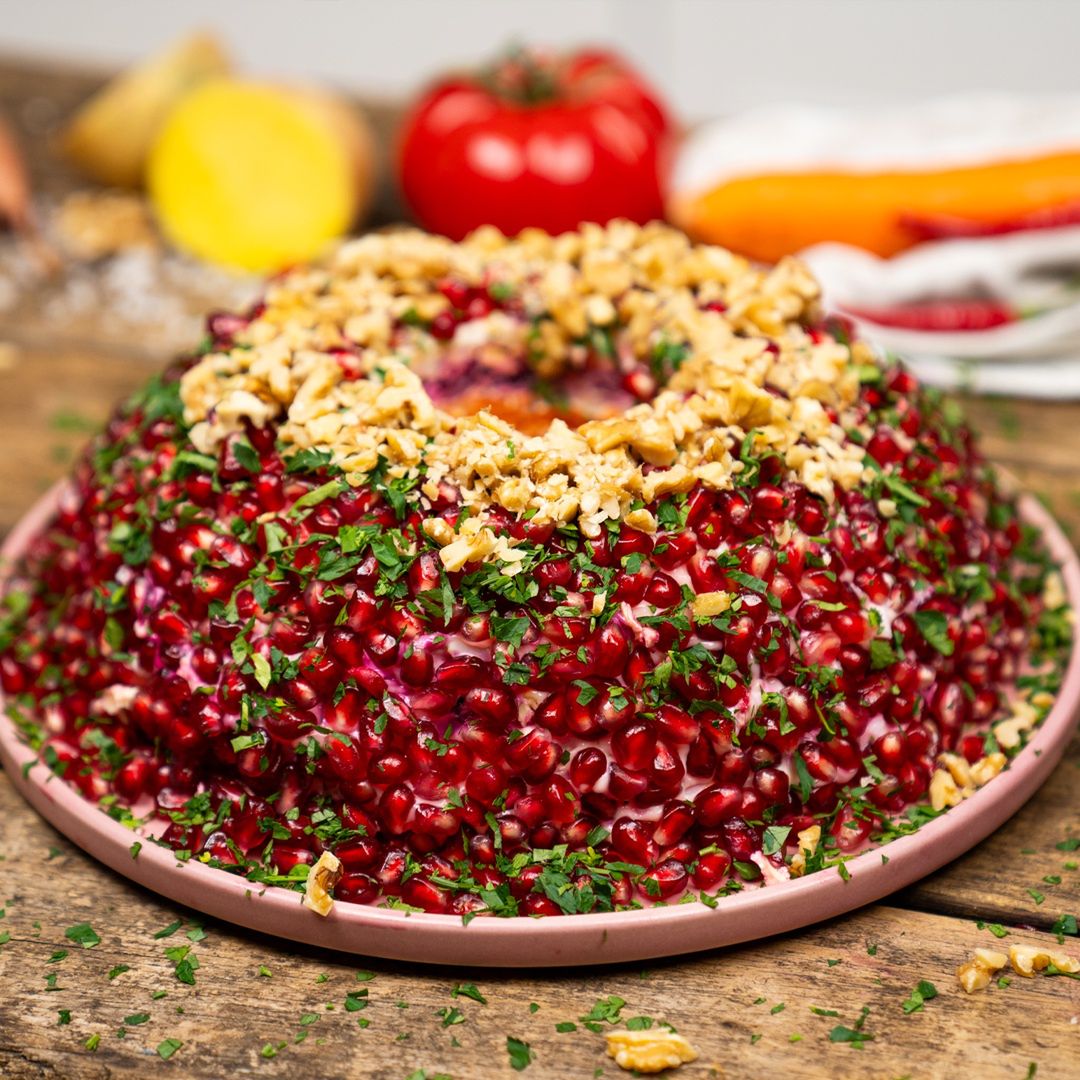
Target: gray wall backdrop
(710,56)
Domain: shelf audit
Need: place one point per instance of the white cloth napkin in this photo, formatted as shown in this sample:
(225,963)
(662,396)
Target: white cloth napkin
(1028,270)
(1036,270)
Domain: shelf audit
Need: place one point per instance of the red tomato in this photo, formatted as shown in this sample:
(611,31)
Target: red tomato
(538,140)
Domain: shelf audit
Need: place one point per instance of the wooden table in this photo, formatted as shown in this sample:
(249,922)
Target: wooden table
(258,1006)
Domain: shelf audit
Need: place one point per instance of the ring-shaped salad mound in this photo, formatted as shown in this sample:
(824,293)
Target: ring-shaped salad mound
(532,576)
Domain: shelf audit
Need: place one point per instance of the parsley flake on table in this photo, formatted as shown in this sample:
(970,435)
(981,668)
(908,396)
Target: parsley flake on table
(923,992)
(185,963)
(468,990)
(855,1036)
(606,1009)
(843,1034)
(167,1047)
(1064,924)
(169,930)
(450,1015)
(82,934)
(521,1053)
(118,970)
(135,1019)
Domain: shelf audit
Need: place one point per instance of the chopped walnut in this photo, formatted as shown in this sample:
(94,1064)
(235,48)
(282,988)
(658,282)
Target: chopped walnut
(642,520)
(944,791)
(1009,733)
(752,371)
(474,543)
(94,224)
(960,771)
(991,958)
(1027,959)
(973,976)
(707,605)
(809,839)
(650,1051)
(321,879)
(978,972)
(1054,595)
(985,769)
(958,779)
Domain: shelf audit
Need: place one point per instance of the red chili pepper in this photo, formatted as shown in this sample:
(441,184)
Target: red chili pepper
(949,227)
(941,316)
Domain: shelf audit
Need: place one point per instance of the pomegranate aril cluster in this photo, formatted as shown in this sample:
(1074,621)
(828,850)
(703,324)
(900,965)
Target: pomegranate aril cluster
(263,662)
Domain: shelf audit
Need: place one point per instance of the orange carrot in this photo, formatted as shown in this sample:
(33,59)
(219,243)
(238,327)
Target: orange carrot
(769,216)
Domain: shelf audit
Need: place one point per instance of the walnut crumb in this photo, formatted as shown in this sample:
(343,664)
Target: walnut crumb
(322,877)
(751,371)
(1009,733)
(956,779)
(650,1051)
(1027,959)
(809,839)
(707,605)
(977,973)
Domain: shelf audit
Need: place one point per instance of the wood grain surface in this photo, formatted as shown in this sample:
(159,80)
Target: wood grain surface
(260,1007)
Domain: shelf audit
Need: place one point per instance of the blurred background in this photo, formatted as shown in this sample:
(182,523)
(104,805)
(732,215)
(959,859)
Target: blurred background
(710,56)
(922,155)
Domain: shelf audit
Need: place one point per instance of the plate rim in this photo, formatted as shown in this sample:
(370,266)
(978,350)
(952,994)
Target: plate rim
(578,940)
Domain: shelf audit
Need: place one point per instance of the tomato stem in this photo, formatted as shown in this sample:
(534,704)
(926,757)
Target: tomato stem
(524,75)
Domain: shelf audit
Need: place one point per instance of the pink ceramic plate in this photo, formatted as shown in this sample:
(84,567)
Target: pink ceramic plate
(570,940)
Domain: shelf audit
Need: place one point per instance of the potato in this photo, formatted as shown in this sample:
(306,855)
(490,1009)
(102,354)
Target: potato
(110,137)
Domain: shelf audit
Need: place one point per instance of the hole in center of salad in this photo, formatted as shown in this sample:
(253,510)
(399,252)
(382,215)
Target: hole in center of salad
(508,386)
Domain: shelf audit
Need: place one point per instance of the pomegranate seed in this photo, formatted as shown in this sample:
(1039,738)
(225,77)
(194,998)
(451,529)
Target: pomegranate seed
(632,840)
(666,880)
